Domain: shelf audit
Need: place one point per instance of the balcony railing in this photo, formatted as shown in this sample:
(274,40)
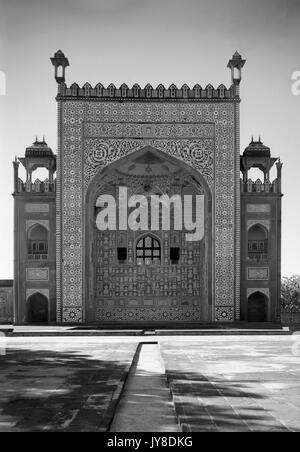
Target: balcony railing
(37,257)
(260,187)
(36,187)
(258,256)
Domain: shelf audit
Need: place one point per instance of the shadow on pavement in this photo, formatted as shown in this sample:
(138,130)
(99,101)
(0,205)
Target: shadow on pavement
(47,390)
(214,404)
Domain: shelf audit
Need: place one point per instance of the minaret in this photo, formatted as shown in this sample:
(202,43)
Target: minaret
(257,155)
(16,165)
(38,155)
(236,64)
(260,236)
(60,62)
(34,236)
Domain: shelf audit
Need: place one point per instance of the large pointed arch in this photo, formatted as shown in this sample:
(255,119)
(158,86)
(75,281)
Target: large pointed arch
(115,169)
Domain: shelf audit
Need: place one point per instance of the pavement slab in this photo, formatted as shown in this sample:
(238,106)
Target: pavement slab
(235,384)
(61,385)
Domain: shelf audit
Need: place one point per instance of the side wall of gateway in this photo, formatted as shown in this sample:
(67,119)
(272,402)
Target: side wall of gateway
(33,276)
(6,301)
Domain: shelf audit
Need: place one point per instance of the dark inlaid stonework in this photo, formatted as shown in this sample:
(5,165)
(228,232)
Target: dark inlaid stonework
(212,158)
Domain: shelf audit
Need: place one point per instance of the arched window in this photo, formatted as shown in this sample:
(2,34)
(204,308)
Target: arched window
(111,90)
(60,71)
(38,243)
(148,251)
(257,243)
(173,91)
(136,90)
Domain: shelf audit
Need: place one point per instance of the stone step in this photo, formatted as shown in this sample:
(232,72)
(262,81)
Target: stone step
(28,332)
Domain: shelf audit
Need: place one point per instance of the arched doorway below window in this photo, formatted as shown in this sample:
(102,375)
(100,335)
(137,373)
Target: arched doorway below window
(257,307)
(37,309)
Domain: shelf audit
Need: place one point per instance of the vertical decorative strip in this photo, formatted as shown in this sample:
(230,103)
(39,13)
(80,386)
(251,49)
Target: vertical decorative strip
(237,211)
(58,216)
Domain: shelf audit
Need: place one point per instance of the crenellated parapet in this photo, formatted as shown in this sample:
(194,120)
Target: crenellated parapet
(37,186)
(259,186)
(148,92)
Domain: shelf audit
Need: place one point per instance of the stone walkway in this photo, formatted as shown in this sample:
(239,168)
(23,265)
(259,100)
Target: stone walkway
(146,404)
(218,383)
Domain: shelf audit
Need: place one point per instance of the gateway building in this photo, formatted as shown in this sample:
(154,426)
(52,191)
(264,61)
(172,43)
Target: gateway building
(155,142)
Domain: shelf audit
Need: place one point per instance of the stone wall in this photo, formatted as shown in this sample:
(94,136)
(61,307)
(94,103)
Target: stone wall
(6,301)
(288,318)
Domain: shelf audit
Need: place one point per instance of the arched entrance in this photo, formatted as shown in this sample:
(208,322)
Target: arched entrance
(148,275)
(257,307)
(37,309)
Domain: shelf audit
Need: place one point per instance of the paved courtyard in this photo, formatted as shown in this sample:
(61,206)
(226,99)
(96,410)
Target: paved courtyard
(235,383)
(61,384)
(232,383)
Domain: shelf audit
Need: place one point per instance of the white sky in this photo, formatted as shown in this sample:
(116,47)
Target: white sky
(157,41)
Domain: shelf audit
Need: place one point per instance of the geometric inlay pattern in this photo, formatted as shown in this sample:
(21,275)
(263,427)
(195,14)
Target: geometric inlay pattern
(201,134)
(151,314)
(101,152)
(258,273)
(37,274)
